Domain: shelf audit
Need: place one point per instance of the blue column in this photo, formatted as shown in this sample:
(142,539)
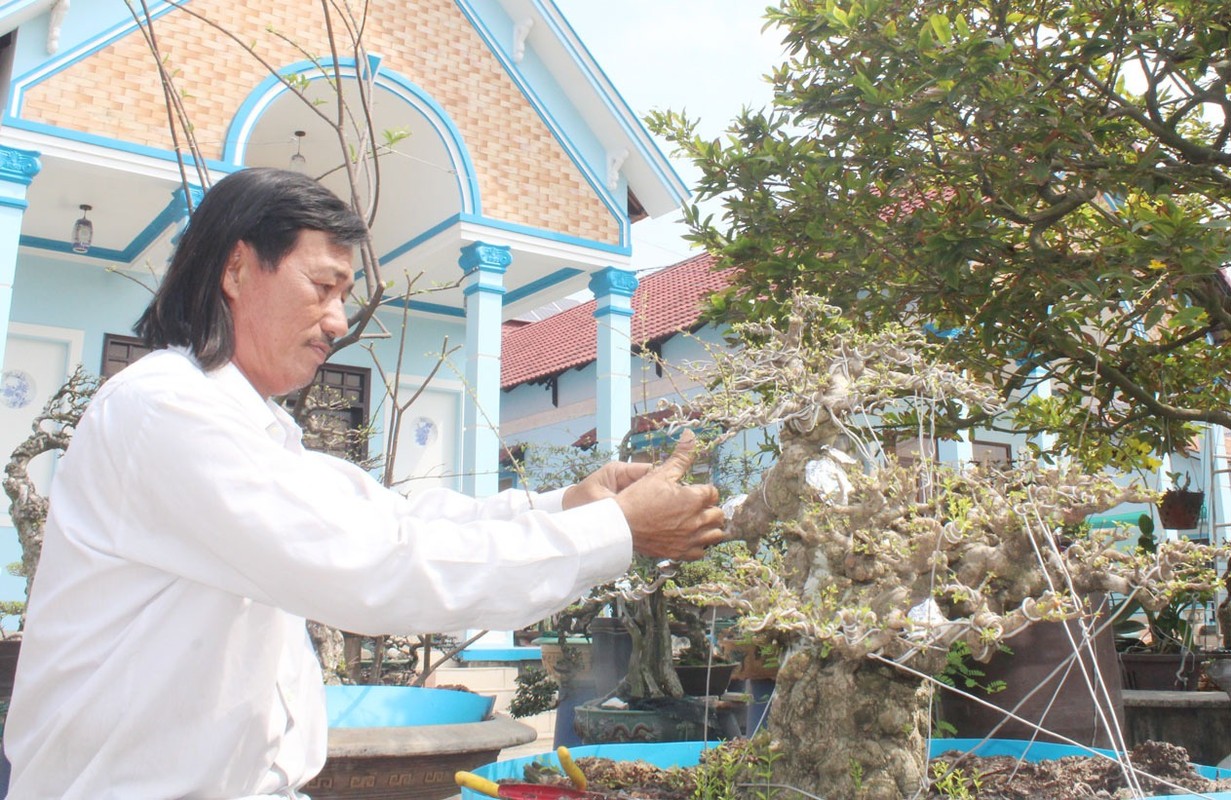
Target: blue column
(180,210)
(485,265)
(17,170)
(613,294)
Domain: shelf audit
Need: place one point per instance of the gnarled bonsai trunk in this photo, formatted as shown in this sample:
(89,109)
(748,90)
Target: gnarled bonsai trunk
(651,672)
(855,728)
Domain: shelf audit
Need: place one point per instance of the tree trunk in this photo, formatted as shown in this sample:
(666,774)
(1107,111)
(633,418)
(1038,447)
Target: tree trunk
(328,644)
(651,671)
(852,729)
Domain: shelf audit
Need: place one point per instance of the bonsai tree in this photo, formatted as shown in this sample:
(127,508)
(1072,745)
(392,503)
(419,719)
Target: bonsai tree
(1166,629)
(51,432)
(888,565)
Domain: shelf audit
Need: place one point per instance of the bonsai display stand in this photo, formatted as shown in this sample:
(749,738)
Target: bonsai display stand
(1200,722)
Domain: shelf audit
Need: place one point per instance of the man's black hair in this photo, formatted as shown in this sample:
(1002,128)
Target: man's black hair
(263,207)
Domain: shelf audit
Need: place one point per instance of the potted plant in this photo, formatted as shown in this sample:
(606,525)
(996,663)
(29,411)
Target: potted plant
(1157,645)
(669,692)
(1180,506)
(889,563)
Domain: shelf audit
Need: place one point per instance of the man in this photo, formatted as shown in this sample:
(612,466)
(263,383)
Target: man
(190,534)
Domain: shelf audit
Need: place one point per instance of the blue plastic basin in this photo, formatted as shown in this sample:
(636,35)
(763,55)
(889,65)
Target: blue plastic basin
(402,706)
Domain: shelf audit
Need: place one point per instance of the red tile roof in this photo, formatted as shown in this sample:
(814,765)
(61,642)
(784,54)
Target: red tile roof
(665,302)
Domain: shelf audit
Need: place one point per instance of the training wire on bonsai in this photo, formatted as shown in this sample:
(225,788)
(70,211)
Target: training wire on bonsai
(888,565)
(1158,647)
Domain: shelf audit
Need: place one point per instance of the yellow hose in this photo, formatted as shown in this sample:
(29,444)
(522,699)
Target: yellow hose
(468,780)
(570,767)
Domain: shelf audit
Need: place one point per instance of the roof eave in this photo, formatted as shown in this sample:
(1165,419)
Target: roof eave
(649,173)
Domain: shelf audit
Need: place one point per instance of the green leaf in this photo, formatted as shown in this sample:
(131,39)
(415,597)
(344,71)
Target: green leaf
(940,24)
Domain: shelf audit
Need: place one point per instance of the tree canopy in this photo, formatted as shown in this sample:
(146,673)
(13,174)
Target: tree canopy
(1042,184)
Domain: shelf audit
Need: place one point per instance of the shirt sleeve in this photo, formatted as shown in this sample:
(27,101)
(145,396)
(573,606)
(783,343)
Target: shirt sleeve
(210,497)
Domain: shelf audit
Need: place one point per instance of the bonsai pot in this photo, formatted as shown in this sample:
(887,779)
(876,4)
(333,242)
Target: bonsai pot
(700,680)
(1160,671)
(406,741)
(655,720)
(1180,509)
(1063,703)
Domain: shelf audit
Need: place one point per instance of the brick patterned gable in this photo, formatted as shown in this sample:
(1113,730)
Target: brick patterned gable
(524,175)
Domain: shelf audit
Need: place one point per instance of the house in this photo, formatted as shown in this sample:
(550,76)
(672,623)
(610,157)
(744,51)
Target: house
(511,172)
(554,370)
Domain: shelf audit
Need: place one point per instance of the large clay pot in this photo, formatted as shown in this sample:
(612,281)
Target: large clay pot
(1064,705)
(611,647)
(657,720)
(1160,671)
(407,742)
(596,725)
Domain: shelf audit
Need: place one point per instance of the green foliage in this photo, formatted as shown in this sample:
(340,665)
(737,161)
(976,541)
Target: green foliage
(11,608)
(1181,481)
(1045,185)
(741,768)
(954,783)
(535,693)
(543,467)
(1169,628)
(856,772)
(961,671)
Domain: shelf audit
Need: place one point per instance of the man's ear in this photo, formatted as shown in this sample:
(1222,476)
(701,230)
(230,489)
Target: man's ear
(233,273)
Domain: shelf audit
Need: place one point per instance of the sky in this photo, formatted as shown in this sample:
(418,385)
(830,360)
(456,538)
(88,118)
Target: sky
(706,58)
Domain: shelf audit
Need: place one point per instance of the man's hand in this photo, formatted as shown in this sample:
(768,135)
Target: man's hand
(606,481)
(667,518)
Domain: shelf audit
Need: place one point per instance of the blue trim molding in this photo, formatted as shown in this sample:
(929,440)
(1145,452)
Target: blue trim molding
(619,108)
(613,281)
(590,172)
(268,90)
(542,284)
(18,166)
(507,227)
(75,54)
(486,264)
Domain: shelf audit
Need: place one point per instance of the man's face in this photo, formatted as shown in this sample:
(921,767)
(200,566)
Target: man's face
(286,319)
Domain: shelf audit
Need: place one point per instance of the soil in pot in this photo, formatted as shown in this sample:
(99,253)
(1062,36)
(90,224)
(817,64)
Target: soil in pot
(1000,777)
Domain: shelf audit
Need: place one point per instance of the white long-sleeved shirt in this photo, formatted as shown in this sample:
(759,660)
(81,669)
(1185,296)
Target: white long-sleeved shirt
(190,535)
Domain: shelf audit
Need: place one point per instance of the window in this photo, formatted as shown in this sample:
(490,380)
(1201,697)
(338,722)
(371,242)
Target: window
(339,411)
(119,352)
(908,446)
(995,454)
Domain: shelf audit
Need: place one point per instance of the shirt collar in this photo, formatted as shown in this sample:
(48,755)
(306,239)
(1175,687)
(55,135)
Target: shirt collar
(264,412)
